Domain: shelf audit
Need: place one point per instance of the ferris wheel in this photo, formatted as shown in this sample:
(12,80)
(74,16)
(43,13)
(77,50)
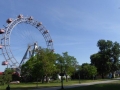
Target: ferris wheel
(22,36)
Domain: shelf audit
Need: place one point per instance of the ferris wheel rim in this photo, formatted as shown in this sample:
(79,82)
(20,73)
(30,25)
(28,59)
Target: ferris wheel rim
(5,41)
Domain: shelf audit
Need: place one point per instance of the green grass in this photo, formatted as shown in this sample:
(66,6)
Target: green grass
(30,86)
(106,86)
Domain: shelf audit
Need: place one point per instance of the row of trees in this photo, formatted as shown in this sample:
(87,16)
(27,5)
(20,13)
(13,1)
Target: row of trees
(46,63)
(106,59)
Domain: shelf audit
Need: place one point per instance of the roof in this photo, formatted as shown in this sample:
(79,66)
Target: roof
(1,73)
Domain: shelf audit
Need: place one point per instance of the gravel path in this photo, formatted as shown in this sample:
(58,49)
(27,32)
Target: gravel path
(77,85)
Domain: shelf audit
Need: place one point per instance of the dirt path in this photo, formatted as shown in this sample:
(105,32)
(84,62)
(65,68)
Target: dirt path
(77,85)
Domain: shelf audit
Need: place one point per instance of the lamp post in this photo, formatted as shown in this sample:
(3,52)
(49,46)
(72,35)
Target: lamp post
(8,87)
(62,74)
(79,76)
(62,78)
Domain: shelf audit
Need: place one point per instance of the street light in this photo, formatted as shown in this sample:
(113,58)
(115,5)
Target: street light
(62,74)
(79,76)
(8,87)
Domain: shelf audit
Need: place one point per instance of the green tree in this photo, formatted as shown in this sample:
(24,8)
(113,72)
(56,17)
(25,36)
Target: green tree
(88,70)
(41,65)
(27,68)
(7,76)
(107,58)
(114,59)
(99,62)
(68,64)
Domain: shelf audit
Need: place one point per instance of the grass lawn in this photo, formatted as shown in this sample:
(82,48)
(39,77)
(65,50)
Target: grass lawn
(106,86)
(30,86)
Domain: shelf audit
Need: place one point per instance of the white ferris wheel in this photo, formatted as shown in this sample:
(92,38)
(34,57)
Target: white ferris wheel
(20,37)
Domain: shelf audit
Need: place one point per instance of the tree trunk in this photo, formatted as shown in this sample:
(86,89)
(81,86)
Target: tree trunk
(66,78)
(113,75)
(42,79)
(102,76)
(37,83)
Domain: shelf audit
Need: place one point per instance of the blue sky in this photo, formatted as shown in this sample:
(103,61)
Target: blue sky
(74,25)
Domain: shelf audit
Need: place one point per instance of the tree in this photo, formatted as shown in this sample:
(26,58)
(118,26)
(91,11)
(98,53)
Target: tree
(41,65)
(67,62)
(107,58)
(99,61)
(6,76)
(88,70)
(26,70)
(114,59)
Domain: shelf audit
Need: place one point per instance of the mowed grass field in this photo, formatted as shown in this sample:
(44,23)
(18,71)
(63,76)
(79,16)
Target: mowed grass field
(29,86)
(105,86)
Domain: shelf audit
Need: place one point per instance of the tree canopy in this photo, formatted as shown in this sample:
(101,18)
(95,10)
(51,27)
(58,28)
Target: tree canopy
(41,65)
(67,62)
(87,71)
(107,58)
(46,63)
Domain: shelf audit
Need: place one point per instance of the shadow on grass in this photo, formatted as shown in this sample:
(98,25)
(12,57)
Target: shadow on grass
(110,86)
(30,88)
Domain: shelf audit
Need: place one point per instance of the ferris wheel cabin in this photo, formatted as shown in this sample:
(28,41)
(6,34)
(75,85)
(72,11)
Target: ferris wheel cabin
(39,24)
(2,31)
(0,46)
(50,41)
(5,63)
(46,31)
(9,20)
(20,16)
(30,18)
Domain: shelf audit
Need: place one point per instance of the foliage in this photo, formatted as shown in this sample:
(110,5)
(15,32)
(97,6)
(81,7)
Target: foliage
(87,70)
(6,77)
(67,63)
(46,63)
(107,58)
(42,64)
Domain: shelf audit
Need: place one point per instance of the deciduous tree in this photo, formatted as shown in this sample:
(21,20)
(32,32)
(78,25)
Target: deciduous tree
(107,58)
(68,63)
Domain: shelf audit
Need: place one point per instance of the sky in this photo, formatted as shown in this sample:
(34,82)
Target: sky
(74,25)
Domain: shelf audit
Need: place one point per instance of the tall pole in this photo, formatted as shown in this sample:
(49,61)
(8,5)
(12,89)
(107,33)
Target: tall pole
(61,78)
(8,87)
(79,76)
